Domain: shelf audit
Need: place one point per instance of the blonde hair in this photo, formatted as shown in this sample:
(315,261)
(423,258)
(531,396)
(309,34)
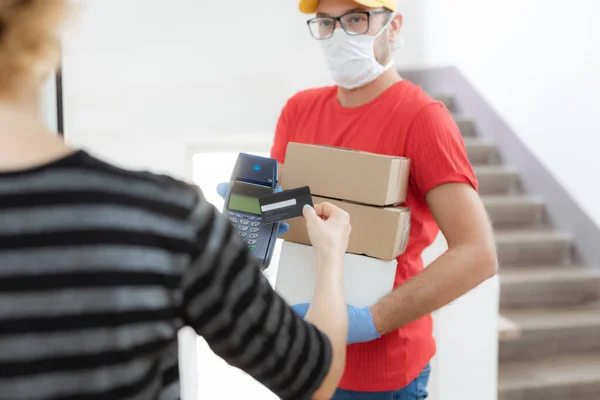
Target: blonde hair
(29,42)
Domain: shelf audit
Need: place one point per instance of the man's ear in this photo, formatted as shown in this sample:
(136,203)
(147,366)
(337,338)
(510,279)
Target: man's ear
(396,25)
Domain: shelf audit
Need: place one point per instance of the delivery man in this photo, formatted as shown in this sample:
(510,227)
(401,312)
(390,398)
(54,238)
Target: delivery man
(372,109)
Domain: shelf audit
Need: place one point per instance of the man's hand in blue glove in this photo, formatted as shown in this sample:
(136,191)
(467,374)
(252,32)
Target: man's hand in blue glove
(222,191)
(360,323)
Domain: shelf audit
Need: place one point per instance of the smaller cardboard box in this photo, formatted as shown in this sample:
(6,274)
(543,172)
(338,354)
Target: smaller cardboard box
(339,173)
(379,232)
(366,280)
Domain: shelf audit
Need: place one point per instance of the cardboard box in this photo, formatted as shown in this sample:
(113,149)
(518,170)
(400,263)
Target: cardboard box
(379,232)
(366,279)
(338,173)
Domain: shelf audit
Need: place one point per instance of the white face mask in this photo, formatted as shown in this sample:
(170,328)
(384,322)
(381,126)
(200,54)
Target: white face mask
(351,59)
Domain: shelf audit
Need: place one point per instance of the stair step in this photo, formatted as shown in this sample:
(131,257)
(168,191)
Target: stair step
(497,180)
(515,211)
(466,126)
(532,247)
(548,287)
(481,151)
(448,101)
(558,378)
(552,332)
(508,330)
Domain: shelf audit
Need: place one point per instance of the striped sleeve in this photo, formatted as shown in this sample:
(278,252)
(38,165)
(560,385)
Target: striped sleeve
(229,302)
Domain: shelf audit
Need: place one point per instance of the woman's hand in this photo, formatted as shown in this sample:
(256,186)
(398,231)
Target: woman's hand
(328,228)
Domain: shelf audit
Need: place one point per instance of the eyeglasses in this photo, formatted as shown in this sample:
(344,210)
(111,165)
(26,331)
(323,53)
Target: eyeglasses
(353,23)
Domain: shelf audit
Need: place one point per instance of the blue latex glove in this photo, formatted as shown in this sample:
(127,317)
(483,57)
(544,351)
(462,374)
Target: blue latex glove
(361,327)
(222,191)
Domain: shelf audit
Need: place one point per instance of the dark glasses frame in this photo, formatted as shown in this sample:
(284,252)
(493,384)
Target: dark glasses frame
(335,20)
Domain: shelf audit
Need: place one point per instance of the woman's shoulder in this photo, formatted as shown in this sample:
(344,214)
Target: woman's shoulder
(138,182)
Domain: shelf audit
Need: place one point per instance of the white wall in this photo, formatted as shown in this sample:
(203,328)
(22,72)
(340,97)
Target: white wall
(537,63)
(164,73)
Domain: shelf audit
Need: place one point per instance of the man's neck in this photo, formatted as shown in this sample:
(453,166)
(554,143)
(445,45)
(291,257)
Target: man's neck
(351,98)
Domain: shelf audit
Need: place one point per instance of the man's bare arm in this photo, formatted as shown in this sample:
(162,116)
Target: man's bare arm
(470,259)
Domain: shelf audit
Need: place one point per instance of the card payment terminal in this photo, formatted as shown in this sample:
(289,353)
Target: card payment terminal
(253,177)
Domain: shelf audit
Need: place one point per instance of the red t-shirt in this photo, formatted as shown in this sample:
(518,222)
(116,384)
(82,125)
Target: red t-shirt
(402,121)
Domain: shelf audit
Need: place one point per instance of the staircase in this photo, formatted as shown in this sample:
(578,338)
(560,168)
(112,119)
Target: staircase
(551,301)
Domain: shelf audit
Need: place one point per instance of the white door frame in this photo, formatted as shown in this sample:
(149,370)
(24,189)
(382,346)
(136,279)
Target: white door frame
(226,142)
(248,142)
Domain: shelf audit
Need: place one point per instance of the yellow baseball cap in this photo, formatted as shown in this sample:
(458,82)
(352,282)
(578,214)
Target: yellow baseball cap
(310,6)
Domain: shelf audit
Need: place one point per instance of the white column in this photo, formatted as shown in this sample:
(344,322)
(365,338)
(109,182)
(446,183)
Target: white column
(466,332)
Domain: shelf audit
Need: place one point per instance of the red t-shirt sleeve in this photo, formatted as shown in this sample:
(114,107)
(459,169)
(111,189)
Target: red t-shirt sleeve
(282,134)
(437,151)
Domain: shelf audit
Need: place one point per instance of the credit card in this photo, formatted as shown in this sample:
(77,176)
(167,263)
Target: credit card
(284,205)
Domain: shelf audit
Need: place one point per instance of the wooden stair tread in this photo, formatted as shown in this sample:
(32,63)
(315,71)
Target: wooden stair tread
(549,372)
(553,318)
(507,329)
(547,274)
